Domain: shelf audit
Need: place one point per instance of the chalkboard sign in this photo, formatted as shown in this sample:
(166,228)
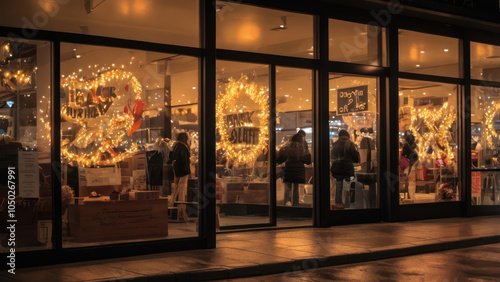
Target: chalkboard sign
(354,99)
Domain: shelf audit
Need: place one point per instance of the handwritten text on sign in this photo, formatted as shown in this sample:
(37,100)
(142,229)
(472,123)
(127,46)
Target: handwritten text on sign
(354,99)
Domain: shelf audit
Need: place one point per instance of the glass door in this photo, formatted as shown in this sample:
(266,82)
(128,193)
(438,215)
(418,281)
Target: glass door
(294,146)
(243,151)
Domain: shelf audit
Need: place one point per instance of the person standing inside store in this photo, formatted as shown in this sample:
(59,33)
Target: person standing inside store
(303,133)
(344,155)
(181,164)
(294,155)
(410,149)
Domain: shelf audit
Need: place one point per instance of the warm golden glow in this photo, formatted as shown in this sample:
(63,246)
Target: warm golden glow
(141,7)
(414,52)
(48,6)
(489,129)
(248,33)
(242,153)
(111,130)
(437,124)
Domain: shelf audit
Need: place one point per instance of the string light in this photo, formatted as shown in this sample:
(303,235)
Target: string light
(106,135)
(438,124)
(242,153)
(489,130)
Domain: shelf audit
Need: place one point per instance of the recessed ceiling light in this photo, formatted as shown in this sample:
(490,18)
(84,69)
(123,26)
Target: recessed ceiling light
(449,94)
(422,52)
(424,93)
(299,89)
(286,95)
(194,87)
(418,66)
(446,50)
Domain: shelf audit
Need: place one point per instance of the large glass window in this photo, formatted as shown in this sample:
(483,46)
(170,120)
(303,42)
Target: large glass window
(356,43)
(254,29)
(242,116)
(428,160)
(294,122)
(428,54)
(485,61)
(129,145)
(166,21)
(25,135)
(485,147)
(353,142)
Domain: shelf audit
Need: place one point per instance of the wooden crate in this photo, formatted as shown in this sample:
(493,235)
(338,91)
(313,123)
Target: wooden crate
(97,221)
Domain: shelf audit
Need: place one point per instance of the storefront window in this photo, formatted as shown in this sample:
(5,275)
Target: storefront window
(254,29)
(428,54)
(129,145)
(356,43)
(485,121)
(428,156)
(242,116)
(353,142)
(25,135)
(166,21)
(485,63)
(294,121)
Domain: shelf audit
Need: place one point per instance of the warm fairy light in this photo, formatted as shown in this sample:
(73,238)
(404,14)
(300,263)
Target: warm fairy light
(23,79)
(489,130)
(437,124)
(242,153)
(112,131)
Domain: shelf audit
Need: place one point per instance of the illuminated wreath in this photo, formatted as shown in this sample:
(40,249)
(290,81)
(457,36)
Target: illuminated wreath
(489,130)
(238,152)
(110,128)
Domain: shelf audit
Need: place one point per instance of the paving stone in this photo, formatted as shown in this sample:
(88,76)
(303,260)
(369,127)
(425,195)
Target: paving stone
(246,254)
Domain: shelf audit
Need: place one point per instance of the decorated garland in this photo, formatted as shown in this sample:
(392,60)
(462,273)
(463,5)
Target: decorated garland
(242,153)
(489,129)
(438,124)
(107,109)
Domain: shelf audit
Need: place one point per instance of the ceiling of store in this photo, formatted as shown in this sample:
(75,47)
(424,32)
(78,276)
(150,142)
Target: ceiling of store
(239,27)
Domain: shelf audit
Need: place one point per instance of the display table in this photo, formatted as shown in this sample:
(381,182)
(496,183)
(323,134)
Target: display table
(98,220)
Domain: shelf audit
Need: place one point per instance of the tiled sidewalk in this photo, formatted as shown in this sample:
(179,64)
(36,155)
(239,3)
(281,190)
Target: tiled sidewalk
(255,253)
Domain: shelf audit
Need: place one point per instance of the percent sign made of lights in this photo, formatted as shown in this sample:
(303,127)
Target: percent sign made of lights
(106,110)
(437,124)
(228,104)
(489,128)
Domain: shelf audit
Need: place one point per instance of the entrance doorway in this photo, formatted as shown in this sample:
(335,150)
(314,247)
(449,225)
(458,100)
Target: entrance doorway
(264,178)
